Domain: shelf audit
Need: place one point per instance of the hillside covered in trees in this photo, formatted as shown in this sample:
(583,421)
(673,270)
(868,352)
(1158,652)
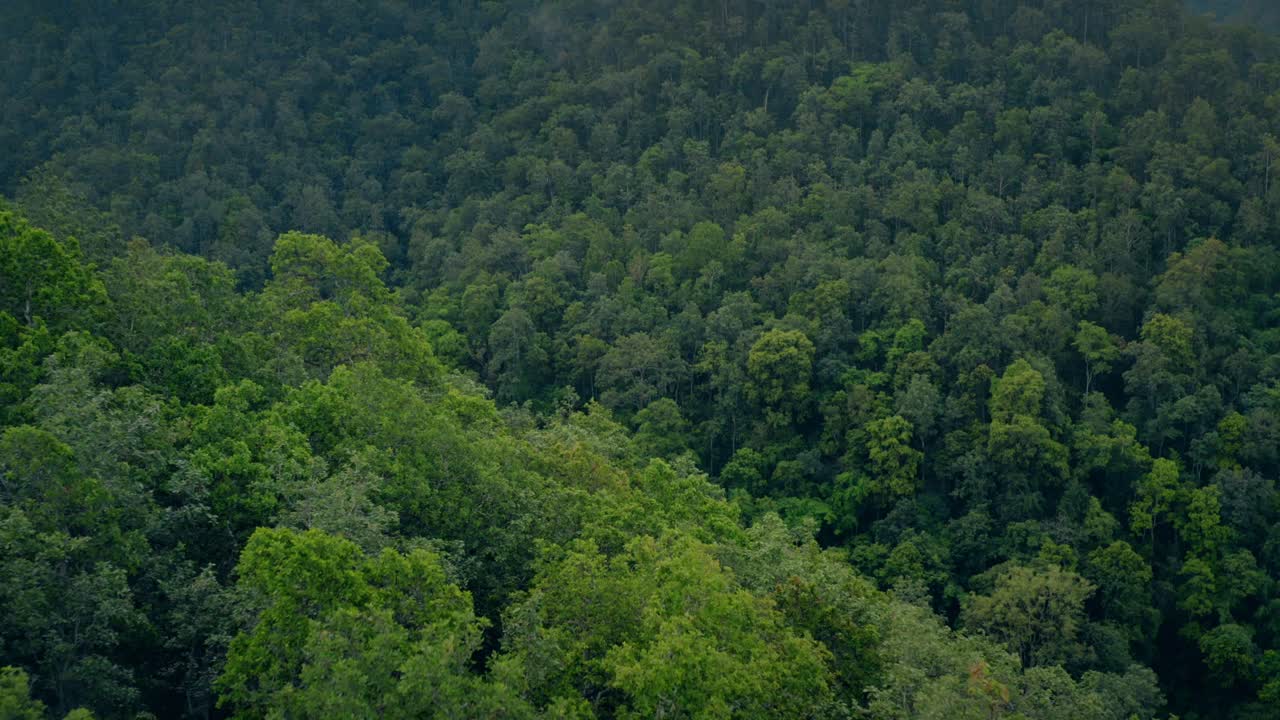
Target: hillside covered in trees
(620,359)
(1262,13)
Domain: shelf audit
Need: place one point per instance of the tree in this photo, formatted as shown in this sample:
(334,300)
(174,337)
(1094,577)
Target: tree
(1037,614)
(1201,523)
(1230,653)
(517,358)
(704,243)
(1155,493)
(326,305)
(639,369)
(1123,580)
(242,461)
(666,627)
(1163,366)
(1018,439)
(894,465)
(341,505)
(921,404)
(747,469)
(779,367)
(64,589)
(45,279)
(336,631)
(15,702)
(68,617)
(818,592)
(1073,289)
(661,429)
(1098,350)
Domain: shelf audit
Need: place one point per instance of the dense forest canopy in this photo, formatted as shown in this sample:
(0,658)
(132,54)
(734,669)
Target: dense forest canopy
(621,359)
(1263,13)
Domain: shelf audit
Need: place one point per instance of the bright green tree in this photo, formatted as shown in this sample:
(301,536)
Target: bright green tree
(779,368)
(1037,614)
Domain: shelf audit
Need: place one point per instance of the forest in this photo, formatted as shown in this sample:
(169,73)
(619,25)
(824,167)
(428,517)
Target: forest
(622,359)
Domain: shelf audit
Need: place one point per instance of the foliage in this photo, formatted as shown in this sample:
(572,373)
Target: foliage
(622,359)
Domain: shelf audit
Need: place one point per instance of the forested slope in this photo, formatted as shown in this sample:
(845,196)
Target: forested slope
(1260,13)
(482,358)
